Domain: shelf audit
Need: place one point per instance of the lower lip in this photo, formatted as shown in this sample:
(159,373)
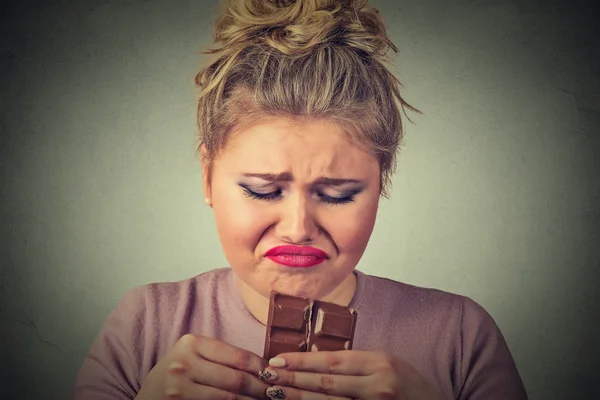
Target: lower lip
(296,261)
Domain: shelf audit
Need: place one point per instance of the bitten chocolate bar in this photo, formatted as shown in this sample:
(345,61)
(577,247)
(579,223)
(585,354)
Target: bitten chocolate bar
(297,324)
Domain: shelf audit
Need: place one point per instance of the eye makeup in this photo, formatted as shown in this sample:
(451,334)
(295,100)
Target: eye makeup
(343,198)
(270,196)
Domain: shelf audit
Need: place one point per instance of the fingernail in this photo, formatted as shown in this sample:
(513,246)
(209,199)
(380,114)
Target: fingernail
(275,392)
(172,393)
(268,375)
(277,362)
(176,366)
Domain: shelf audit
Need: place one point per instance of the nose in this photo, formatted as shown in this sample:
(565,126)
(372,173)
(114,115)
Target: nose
(297,222)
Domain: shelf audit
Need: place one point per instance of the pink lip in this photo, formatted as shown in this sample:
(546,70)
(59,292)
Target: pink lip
(296,256)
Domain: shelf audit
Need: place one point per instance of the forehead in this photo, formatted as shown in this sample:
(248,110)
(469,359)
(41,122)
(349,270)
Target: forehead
(305,148)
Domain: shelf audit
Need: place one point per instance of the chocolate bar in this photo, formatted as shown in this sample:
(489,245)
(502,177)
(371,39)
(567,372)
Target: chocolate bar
(296,324)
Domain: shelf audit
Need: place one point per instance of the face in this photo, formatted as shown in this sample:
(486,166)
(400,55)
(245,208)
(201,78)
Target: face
(281,183)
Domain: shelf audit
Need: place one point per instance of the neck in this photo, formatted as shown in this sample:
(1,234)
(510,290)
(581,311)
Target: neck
(258,305)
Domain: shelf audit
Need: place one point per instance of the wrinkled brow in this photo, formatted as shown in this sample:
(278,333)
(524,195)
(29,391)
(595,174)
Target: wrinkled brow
(288,177)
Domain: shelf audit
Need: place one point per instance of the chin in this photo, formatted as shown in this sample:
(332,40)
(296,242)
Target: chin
(297,292)
(311,291)
(314,284)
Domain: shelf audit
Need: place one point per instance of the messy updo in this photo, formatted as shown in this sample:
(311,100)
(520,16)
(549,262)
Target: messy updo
(317,59)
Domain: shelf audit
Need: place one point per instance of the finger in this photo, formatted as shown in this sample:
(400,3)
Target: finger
(344,362)
(200,371)
(193,391)
(339,385)
(225,354)
(290,393)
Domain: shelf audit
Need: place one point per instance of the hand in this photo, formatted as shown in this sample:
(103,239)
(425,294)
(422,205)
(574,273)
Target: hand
(198,367)
(350,374)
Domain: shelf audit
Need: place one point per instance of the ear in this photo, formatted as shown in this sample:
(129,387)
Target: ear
(206,189)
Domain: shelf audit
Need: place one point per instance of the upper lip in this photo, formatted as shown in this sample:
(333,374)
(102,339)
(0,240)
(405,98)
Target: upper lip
(296,251)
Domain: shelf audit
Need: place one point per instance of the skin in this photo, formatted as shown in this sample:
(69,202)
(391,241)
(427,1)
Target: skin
(301,209)
(198,367)
(299,213)
(349,374)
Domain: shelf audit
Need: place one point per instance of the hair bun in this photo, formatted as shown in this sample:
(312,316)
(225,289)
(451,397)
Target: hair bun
(294,27)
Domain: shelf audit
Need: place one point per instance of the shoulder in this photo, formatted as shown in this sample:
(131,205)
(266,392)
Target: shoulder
(415,310)
(143,326)
(419,299)
(150,318)
(415,303)
(442,331)
(411,300)
(166,295)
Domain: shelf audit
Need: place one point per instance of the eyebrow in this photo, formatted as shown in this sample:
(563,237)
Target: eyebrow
(288,177)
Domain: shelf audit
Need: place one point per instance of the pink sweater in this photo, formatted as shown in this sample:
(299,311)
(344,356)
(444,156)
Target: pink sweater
(450,339)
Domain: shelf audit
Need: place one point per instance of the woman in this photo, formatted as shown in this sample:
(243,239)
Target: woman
(300,122)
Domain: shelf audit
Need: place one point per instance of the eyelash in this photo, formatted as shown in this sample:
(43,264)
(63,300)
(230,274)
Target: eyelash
(275,195)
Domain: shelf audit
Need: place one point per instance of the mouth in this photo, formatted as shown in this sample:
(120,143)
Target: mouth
(296,256)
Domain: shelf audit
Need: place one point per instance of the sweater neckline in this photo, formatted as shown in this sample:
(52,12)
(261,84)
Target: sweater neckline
(355,303)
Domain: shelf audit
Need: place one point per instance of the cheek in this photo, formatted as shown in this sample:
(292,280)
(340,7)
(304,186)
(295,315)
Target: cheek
(239,225)
(351,233)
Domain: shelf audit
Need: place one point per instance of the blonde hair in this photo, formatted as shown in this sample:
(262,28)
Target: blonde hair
(323,59)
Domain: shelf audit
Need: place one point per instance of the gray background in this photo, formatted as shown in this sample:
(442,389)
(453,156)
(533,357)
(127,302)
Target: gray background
(496,197)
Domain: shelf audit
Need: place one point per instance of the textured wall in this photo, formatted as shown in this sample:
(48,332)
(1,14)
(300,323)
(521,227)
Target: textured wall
(497,195)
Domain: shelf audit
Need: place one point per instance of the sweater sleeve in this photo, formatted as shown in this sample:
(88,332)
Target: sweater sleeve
(111,369)
(487,368)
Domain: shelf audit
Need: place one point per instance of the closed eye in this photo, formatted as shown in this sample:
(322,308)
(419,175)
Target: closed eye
(277,194)
(262,196)
(336,200)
